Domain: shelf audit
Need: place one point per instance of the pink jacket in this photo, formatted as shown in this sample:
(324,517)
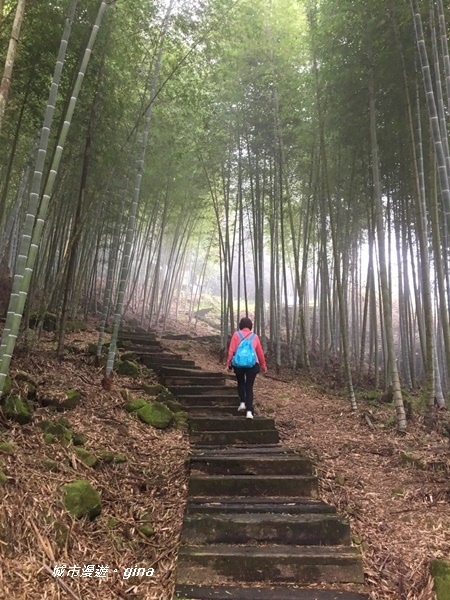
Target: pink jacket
(235,341)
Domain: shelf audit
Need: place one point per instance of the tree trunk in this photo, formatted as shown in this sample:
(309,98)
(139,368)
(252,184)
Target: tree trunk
(385,290)
(5,83)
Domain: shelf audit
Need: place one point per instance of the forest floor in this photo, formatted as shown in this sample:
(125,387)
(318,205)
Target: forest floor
(37,533)
(399,511)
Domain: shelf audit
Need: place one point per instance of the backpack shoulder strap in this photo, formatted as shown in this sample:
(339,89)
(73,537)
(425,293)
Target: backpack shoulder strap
(240,335)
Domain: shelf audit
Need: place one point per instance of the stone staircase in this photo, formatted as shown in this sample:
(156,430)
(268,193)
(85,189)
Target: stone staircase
(254,527)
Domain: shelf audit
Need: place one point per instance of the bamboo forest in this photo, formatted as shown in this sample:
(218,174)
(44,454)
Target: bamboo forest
(168,167)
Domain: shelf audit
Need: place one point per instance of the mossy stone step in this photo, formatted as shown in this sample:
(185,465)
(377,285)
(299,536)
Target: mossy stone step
(299,529)
(228,410)
(155,353)
(139,341)
(194,380)
(238,423)
(286,506)
(253,485)
(195,592)
(266,449)
(229,438)
(157,362)
(199,400)
(129,335)
(219,564)
(251,465)
(182,391)
(170,370)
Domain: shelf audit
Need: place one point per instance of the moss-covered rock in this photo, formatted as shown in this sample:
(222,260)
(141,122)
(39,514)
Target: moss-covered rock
(132,356)
(78,439)
(165,396)
(129,368)
(174,406)
(155,414)
(64,422)
(112,523)
(92,349)
(73,399)
(120,459)
(17,409)
(58,430)
(86,457)
(3,478)
(81,499)
(135,405)
(7,386)
(31,391)
(44,424)
(50,465)
(146,530)
(61,400)
(105,456)
(181,420)
(124,343)
(440,571)
(7,448)
(49,321)
(153,390)
(125,395)
(49,438)
(62,534)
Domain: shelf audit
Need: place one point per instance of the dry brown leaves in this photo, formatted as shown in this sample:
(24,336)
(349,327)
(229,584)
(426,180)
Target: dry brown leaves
(36,533)
(399,515)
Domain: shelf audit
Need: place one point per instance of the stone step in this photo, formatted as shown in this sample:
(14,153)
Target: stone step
(203,390)
(213,401)
(193,380)
(298,530)
(219,564)
(126,333)
(194,592)
(156,353)
(230,409)
(171,370)
(253,485)
(263,449)
(230,438)
(146,350)
(152,358)
(286,506)
(237,423)
(140,343)
(158,366)
(251,465)
(167,357)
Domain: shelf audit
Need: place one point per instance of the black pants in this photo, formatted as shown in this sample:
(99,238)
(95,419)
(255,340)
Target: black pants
(245,380)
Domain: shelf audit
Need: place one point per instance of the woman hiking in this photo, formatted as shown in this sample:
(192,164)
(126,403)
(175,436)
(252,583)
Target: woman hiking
(246,357)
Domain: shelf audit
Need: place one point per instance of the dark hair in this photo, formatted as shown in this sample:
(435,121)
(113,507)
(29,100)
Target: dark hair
(245,322)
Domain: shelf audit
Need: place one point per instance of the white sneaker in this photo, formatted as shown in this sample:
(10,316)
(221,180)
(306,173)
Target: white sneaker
(241,406)
(249,415)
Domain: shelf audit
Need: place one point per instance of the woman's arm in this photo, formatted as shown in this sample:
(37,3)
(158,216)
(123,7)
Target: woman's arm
(234,343)
(260,353)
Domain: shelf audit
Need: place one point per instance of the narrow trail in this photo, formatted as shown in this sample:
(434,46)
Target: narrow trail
(398,508)
(254,525)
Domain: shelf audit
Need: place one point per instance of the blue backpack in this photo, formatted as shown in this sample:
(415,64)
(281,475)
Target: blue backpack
(245,355)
